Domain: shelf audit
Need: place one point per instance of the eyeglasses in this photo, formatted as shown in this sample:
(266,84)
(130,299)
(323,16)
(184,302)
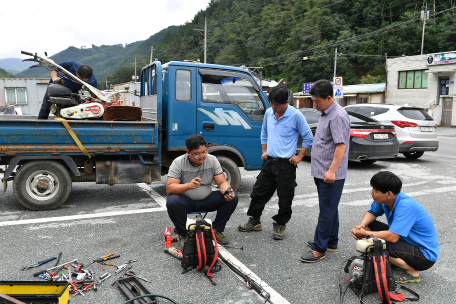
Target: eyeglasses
(199,155)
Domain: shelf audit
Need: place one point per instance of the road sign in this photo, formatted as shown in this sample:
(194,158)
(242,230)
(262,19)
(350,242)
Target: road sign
(337,87)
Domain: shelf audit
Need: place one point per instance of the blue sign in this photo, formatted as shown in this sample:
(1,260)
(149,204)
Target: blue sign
(307,85)
(338,93)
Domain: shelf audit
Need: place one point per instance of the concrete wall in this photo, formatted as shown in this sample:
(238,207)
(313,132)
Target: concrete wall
(35,88)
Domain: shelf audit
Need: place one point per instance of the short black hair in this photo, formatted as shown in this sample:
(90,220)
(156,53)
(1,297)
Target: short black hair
(84,71)
(195,141)
(385,181)
(322,88)
(278,95)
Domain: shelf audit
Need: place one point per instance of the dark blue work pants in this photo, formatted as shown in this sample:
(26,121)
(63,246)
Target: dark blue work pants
(179,206)
(327,231)
(45,106)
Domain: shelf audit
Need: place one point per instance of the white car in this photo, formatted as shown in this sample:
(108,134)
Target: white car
(415,129)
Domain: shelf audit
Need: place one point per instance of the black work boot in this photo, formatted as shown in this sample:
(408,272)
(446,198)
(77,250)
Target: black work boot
(251,225)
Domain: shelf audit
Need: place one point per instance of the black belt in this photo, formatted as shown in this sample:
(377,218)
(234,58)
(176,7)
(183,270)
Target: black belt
(278,159)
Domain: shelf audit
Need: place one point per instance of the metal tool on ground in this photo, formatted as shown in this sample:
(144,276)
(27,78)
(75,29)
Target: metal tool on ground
(250,282)
(39,263)
(58,259)
(106,264)
(103,279)
(52,268)
(104,258)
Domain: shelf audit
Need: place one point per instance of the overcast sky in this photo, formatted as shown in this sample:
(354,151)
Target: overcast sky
(53,26)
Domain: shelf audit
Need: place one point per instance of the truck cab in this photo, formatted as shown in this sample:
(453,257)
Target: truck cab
(224,104)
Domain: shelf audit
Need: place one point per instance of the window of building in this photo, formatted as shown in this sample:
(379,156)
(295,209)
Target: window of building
(413,79)
(15,96)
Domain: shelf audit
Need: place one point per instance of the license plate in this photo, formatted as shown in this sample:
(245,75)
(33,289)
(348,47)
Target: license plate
(427,129)
(380,136)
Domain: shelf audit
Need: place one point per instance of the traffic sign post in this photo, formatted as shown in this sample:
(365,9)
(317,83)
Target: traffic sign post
(338,90)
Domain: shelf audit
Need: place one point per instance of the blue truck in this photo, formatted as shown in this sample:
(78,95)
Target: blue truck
(224,104)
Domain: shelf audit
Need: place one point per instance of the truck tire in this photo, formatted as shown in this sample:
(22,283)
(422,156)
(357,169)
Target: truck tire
(413,155)
(42,185)
(231,171)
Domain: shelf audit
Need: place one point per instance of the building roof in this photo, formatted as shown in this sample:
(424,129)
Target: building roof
(360,88)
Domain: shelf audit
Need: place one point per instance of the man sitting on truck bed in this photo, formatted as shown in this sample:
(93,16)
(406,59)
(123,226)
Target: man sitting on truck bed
(82,71)
(189,188)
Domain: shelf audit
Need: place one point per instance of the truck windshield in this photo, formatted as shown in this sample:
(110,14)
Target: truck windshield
(233,90)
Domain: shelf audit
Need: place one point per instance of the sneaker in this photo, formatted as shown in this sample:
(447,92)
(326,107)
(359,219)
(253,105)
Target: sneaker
(221,239)
(279,231)
(332,248)
(183,238)
(312,256)
(250,226)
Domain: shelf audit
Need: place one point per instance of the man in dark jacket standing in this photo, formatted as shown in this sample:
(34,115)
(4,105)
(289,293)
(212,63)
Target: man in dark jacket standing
(328,167)
(82,71)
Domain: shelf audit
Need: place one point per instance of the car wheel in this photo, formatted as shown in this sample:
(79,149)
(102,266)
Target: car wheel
(231,172)
(42,185)
(413,155)
(368,161)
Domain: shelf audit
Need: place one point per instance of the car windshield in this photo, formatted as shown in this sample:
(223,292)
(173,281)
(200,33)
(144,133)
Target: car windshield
(415,113)
(311,116)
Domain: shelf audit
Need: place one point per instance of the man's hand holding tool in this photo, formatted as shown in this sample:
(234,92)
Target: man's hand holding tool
(228,194)
(195,183)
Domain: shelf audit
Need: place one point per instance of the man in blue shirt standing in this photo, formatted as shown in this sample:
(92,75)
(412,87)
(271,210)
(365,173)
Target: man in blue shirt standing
(410,233)
(281,126)
(82,71)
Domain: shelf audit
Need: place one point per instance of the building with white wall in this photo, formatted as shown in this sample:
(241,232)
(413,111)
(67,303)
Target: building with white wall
(425,81)
(24,93)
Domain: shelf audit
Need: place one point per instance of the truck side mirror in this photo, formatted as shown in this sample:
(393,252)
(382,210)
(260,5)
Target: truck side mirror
(290,98)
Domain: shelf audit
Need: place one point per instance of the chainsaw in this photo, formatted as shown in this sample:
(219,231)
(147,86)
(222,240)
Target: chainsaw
(69,105)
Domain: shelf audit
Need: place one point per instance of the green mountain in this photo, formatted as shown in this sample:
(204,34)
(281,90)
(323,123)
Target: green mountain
(296,39)
(104,59)
(3,73)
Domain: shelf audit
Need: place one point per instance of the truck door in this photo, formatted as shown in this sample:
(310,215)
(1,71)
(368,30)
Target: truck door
(181,106)
(230,112)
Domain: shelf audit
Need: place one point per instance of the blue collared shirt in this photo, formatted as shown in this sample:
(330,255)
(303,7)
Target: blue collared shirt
(412,222)
(333,128)
(281,135)
(72,66)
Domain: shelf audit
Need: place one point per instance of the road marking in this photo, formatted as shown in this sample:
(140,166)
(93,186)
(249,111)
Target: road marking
(79,216)
(154,194)
(275,296)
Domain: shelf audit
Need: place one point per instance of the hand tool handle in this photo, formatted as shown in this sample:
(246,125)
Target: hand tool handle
(43,271)
(108,258)
(26,53)
(58,259)
(88,286)
(46,261)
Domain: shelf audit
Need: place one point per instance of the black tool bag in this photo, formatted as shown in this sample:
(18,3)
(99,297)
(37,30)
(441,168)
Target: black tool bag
(370,273)
(200,249)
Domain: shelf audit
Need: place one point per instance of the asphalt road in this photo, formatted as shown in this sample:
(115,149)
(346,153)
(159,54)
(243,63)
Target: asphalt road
(129,219)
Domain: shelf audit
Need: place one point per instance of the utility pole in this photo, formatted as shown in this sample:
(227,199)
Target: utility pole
(205,37)
(106,82)
(261,75)
(135,64)
(335,63)
(424,16)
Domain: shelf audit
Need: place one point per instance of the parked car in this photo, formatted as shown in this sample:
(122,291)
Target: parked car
(370,140)
(415,129)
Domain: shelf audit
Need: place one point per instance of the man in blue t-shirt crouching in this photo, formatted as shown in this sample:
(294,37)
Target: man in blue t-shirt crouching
(410,232)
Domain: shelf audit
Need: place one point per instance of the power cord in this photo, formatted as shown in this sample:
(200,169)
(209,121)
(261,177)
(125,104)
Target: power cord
(151,295)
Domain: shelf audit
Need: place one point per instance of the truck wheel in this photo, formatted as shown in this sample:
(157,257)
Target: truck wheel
(413,155)
(231,171)
(42,185)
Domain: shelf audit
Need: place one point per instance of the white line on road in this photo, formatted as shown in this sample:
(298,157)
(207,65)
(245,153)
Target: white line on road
(275,296)
(157,197)
(79,216)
